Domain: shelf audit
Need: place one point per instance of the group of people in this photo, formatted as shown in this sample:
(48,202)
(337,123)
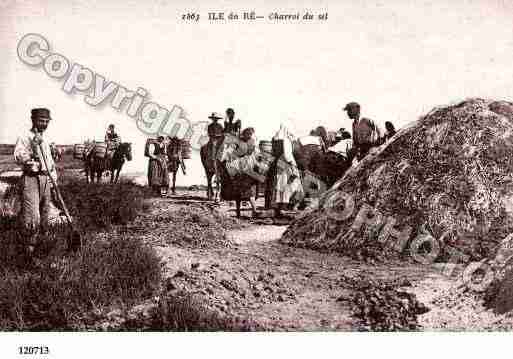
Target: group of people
(165,157)
(216,131)
(34,154)
(284,182)
(244,144)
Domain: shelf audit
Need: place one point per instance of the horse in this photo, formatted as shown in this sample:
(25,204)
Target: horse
(96,165)
(56,152)
(242,186)
(236,189)
(210,166)
(174,153)
(326,165)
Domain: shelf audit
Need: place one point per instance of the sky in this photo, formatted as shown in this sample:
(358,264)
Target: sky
(398,59)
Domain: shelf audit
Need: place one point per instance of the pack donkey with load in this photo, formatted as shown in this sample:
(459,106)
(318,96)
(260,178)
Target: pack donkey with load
(100,157)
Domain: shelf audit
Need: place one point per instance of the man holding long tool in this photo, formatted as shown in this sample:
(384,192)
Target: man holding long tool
(32,152)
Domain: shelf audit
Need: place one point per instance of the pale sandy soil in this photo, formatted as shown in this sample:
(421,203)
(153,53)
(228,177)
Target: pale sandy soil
(285,288)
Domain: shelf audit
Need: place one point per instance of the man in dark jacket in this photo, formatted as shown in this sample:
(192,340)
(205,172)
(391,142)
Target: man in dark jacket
(365,131)
(215,133)
(229,125)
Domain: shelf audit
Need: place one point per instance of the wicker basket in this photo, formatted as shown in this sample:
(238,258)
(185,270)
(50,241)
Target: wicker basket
(266,146)
(149,142)
(100,150)
(186,149)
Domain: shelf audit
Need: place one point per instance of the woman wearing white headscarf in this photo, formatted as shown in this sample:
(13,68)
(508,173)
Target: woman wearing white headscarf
(286,184)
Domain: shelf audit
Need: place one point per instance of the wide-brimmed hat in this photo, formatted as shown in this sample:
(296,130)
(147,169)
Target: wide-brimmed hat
(40,112)
(215,116)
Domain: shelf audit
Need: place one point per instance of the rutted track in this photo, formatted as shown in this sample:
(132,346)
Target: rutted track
(281,287)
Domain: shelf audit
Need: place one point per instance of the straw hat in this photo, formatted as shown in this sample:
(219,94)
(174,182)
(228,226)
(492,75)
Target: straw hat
(215,116)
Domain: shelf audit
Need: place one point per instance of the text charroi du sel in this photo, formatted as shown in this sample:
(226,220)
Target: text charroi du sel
(224,16)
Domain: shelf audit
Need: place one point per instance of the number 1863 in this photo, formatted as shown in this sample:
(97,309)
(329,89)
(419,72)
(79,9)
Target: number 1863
(33,350)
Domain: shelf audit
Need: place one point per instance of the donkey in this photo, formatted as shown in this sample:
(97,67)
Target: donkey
(96,165)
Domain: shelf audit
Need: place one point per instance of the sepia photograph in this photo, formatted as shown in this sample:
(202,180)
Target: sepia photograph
(245,170)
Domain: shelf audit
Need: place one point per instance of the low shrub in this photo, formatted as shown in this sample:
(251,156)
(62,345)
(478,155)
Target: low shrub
(58,291)
(54,290)
(183,312)
(98,206)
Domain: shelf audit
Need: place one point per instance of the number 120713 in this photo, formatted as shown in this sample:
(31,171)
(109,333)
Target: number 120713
(33,350)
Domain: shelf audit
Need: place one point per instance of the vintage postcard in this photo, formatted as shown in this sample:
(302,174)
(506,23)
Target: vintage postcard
(319,167)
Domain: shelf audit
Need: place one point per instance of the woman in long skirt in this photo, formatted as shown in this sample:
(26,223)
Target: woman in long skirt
(286,188)
(158,173)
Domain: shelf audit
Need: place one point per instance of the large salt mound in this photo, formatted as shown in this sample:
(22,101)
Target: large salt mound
(449,174)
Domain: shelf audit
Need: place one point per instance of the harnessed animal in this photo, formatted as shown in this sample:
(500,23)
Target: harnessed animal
(96,165)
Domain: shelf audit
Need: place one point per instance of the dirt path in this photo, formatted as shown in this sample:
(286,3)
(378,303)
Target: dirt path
(284,288)
(280,287)
(310,278)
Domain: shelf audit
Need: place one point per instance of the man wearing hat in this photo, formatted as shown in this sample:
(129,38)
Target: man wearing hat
(215,133)
(36,198)
(365,131)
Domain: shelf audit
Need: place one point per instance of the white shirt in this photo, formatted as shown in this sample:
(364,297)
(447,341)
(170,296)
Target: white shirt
(342,147)
(25,150)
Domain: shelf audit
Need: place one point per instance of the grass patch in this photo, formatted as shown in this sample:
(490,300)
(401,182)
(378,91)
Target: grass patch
(58,291)
(115,270)
(98,206)
(183,312)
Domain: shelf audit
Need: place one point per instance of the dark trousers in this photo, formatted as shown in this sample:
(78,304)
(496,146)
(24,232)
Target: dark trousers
(363,150)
